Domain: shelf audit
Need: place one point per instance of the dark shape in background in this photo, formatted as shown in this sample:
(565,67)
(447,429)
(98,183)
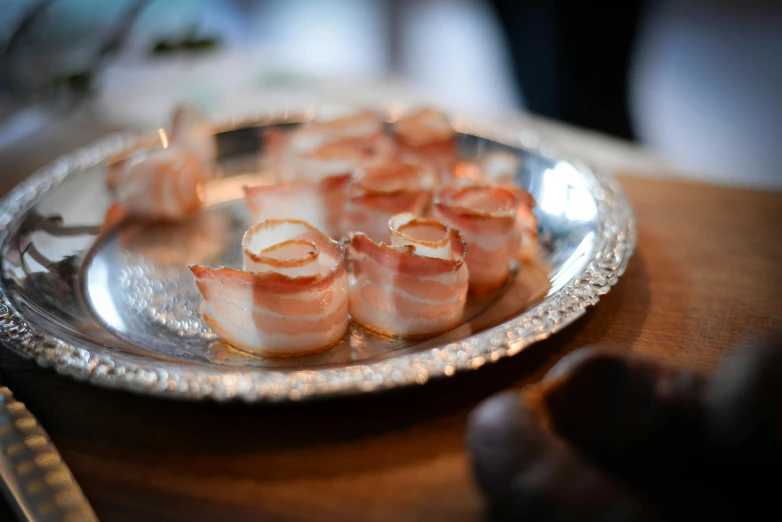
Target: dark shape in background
(572,59)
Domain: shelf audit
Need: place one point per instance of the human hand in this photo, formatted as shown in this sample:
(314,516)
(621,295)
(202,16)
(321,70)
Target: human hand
(613,436)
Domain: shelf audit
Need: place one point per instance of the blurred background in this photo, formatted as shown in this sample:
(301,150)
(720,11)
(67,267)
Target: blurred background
(684,85)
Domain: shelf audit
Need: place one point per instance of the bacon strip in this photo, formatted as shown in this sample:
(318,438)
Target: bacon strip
(194,133)
(291,298)
(161,184)
(493,168)
(426,137)
(165,183)
(414,287)
(331,146)
(379,193)
(526,225)
(500,169)
(351,123)
(424,127)
(486,216)
(320,204)
(466,173)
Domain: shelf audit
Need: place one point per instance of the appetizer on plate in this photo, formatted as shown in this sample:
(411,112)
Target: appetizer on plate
(165,183)
(290,299)
(416,286)
(380,223)
(377,194)
(331,144)
(319,203)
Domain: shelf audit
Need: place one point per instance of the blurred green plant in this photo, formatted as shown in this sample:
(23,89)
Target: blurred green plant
(189,42)
(67,90)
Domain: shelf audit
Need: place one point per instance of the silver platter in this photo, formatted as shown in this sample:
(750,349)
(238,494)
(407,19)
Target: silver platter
(121,309)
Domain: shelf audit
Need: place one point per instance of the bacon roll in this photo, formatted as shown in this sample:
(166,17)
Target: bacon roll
(486,217)
(321,204)
(166,183)
(376,194)
(425,136)
(194,133)
(500,169)
(162,184)
(526,225)
(331,145)
(416,286)
(291,298)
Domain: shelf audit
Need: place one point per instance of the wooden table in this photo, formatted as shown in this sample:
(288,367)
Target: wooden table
(705,276)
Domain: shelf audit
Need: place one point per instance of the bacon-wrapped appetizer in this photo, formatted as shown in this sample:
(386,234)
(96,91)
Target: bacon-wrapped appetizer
(486,217)
(500,169)
(321,204)
(466,173)
(291,298)
(526,225)
(494,168)
(166,183)
(350,123)
(330,146)
(377,194)
(194,133)
(160,185)
(426,137)
(414,287)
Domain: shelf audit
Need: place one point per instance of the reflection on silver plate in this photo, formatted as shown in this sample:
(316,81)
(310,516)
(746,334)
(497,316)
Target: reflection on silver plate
(120,308)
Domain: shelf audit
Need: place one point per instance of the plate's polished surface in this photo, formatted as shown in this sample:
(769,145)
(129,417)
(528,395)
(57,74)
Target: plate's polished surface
(121,309)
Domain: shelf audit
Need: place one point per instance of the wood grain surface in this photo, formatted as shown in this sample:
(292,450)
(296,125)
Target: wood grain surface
(705,277)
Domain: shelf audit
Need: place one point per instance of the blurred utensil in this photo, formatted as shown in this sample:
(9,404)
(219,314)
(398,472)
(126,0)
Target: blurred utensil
(35,480)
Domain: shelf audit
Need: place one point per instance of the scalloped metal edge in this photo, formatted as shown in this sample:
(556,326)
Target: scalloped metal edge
(614,246)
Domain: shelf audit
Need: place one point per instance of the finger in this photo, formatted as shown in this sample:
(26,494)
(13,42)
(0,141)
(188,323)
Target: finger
(745,401)
(618,406)
(528,473)
(744,412)
(645,422)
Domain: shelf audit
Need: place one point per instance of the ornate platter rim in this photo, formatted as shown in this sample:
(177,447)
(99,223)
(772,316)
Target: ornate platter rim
(614,245)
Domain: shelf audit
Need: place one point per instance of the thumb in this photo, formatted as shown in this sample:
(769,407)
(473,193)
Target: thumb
(528,473)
